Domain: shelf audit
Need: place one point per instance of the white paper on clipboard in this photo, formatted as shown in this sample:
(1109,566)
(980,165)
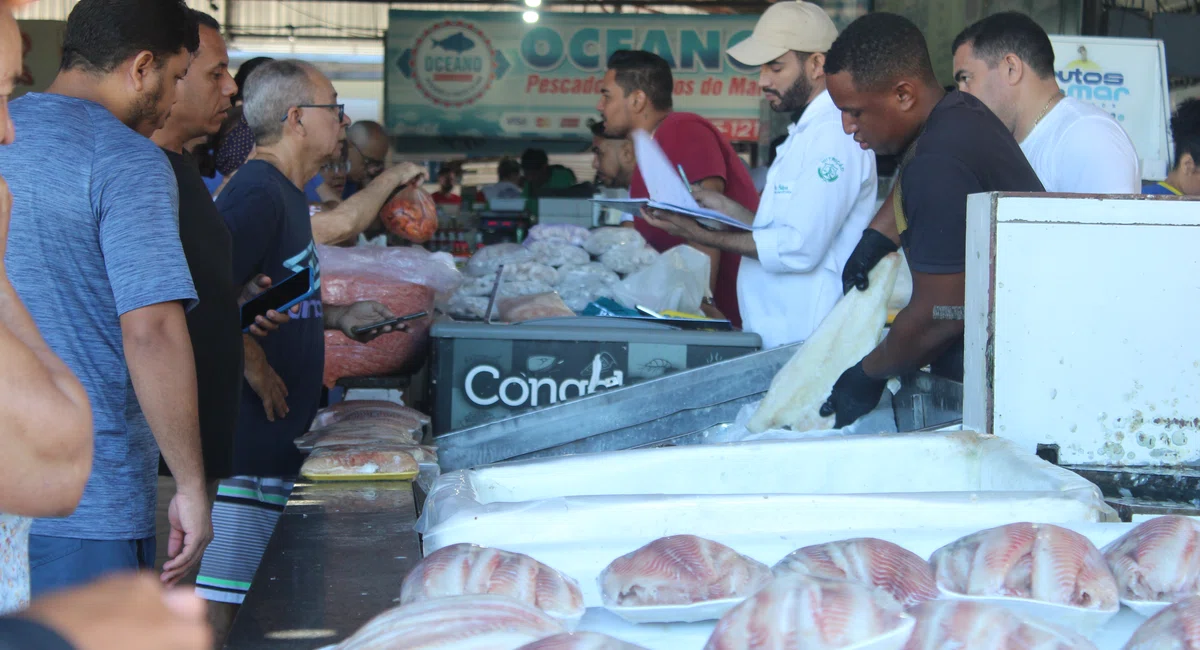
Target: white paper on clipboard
(667,189)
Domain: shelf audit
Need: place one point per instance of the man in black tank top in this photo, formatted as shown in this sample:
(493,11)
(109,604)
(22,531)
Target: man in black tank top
(880,76)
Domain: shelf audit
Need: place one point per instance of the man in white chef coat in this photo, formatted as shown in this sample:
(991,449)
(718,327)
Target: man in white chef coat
(1007,61)
(819,194)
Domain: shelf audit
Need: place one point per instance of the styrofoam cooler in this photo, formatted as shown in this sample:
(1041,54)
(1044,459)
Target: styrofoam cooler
(578,513)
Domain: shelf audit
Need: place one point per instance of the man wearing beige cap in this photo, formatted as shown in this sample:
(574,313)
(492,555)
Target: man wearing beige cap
(820,191)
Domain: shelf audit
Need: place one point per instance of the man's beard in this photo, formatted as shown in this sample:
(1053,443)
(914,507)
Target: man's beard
(794,98)
(145,109)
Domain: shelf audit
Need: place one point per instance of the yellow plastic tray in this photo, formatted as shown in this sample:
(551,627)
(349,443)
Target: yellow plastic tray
(402,476)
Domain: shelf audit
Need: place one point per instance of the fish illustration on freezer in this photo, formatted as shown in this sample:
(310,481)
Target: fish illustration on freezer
(798,611)
(462,569)
(1175,628)
(1158,561)
(1040,562)
(945,624)
(680,570)
(580,641)
(455,623)
(457,43)
(877,563)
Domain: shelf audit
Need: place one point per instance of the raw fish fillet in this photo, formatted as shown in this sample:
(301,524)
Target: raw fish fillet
(900,573)
(1157,561)
(419,453)
(850,331)
(680,570)
(581,641)
(468,569)
(456,623)
(801,612)
(1035,561)
(358,461)
(1175,628)
(946,624)
(364,436)
(364,408)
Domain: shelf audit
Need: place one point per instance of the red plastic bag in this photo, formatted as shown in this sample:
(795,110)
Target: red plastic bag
(411,214)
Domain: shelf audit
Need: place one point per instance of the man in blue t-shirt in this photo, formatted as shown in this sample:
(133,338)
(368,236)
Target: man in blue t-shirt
(94,254)
(1184,178)
(293,111)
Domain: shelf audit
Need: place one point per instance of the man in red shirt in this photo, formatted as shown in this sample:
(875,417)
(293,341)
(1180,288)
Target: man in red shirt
(445,194)
(636,94)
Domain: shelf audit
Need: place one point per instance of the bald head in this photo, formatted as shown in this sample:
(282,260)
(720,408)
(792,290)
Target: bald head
(368,151)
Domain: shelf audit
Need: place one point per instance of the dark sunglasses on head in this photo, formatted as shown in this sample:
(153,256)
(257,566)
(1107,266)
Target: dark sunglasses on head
(341,110)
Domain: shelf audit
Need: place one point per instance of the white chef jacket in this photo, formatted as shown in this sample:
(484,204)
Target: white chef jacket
(1079,148)
(819,197)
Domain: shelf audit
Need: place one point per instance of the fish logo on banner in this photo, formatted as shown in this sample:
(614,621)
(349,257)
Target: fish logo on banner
(453,64)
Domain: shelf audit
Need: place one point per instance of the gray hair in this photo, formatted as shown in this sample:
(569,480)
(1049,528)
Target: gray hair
(271,91)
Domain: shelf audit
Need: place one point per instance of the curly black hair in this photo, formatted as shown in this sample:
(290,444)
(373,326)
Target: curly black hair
(879,49)
(1185,130)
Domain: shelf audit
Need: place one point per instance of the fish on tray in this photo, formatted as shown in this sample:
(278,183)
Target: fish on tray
(419,453)
(361,436)
(581,641)
(1159,560)
(358,409)
(680,570)
(358,461)
(457,623)
(900,573)
(946,624)
(799,611)
(1175,628)
(1040,562)
(462,569)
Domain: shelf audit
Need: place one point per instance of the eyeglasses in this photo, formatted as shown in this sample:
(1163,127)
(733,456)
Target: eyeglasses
(368,162)
(340,108)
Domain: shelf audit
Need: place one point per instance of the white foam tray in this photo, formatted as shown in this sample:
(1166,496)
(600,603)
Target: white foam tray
(764,499)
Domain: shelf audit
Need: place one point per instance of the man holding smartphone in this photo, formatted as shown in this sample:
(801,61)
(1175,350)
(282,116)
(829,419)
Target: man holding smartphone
(298,123)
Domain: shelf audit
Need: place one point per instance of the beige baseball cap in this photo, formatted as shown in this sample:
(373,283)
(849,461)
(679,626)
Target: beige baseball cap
(798,26)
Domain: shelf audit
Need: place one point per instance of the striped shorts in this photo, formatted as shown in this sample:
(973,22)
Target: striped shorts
(244,516)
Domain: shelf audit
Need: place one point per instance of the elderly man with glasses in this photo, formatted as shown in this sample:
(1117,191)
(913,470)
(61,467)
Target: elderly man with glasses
(298,127)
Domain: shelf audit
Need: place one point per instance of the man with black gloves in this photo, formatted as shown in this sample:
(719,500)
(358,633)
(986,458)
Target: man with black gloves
(880,76)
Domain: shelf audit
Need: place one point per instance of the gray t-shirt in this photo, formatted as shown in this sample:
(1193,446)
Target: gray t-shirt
(95,235)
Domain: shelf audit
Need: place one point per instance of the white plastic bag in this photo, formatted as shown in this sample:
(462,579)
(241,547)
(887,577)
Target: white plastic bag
(558,254)
(511,288)
(563,233)
(530,272)
(480,286)
(468,307)
(589,273)
(628,258)
(489,258)
(676,281)
(601,240)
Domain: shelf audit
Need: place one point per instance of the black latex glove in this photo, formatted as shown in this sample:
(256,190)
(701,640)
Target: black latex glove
(873,246)
(854,395)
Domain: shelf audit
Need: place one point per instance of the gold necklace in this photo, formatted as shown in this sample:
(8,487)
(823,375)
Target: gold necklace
(1045,109)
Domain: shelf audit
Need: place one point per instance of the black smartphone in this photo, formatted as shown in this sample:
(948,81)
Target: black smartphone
(384,323)
(280,297)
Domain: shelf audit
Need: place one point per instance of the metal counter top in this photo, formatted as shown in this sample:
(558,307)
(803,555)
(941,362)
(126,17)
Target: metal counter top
(336,560)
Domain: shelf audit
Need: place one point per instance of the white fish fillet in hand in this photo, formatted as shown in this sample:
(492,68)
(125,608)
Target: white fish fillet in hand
(1039,562)
(957,624)
(876,563)
(462,569)
(1175,628)
(850,331)
(798,612)
(1158,561)
(680,570)
(457,623)
(581,641)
